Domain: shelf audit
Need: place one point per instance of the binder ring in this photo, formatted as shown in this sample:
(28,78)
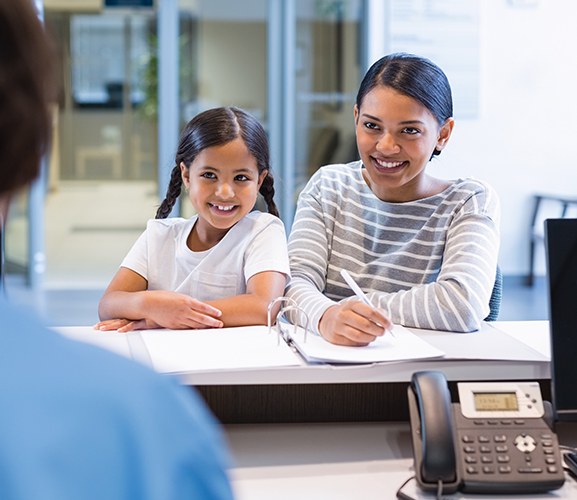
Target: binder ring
(295,323)
(273,303)
(291,305)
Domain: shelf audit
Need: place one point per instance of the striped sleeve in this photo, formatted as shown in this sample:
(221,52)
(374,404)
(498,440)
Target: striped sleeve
(428,264)
(458,299)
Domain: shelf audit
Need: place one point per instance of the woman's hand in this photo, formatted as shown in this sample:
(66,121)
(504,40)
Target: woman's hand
(353,323)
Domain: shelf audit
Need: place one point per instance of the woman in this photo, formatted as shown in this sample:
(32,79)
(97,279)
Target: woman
(423,249)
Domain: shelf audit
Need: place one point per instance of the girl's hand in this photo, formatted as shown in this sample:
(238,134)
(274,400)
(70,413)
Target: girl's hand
(353,323)
(111,324)
(178,311)
(125,325)
(162,309)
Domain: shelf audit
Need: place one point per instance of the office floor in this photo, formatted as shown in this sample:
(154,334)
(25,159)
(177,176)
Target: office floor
(79,307)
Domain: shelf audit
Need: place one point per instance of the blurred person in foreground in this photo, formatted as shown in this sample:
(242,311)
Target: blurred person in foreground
(78,421)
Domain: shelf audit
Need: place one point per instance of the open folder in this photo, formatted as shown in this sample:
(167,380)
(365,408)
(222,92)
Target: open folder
(249,347)
(254,347)
(400,344)
(403,345)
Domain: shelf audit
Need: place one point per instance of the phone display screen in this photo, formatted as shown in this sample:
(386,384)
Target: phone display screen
(495,401)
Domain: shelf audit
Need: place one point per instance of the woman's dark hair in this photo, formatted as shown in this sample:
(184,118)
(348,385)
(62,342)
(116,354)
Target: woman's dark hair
(26,89)
(413,76)
(216,127)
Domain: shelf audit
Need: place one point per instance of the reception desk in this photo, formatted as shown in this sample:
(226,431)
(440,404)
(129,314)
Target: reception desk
(313,392)
(315,431)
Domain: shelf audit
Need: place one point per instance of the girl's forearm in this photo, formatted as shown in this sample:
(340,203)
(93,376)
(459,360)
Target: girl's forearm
(243,310)
(121,304)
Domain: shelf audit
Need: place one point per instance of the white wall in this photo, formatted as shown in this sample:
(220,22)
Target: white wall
(524,139)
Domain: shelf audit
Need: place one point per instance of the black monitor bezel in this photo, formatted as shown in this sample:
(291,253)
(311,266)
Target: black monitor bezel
(561,265)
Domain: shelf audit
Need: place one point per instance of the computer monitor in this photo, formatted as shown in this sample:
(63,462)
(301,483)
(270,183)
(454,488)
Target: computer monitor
(561,254)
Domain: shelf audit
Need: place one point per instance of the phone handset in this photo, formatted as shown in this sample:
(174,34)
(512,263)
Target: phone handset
(433,433)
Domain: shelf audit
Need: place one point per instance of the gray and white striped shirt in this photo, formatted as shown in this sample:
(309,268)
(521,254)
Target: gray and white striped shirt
(428,263)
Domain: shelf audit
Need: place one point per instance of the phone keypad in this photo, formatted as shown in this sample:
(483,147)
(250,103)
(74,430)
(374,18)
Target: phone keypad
(497,450)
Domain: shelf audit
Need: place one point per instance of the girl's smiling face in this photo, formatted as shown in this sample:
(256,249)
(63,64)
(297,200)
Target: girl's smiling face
(222,184)
(396,136)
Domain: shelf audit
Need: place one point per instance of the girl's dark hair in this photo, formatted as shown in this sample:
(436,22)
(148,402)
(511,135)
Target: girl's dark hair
(27,86)
(413,76)
(216,127)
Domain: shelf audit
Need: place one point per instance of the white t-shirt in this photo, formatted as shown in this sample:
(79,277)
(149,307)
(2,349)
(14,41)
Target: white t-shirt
(255,244)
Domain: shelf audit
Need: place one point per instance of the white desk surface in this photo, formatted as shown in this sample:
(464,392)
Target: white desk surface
(511,339)
(333,461)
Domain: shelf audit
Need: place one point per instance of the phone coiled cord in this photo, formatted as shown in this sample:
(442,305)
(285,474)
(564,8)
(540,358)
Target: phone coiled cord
(403,496)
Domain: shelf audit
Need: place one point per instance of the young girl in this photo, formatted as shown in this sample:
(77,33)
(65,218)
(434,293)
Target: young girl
(221,267)
(424,249)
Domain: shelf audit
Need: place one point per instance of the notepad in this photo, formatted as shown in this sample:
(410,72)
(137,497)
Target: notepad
(404,346)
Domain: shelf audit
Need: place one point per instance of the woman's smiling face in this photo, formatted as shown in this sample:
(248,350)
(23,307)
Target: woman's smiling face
(396,137)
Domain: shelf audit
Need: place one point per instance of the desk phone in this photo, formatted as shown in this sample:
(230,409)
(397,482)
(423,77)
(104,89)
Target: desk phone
(494,441)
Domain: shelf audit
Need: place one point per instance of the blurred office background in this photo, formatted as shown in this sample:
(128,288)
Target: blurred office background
(134,72)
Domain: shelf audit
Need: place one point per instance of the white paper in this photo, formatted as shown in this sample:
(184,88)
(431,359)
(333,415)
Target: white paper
(403,346)
(187,351)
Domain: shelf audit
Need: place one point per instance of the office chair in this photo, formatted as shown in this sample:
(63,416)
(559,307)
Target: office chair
(496,295)
(559,207)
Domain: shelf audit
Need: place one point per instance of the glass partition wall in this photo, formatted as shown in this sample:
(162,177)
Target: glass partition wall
(294,64)
(328,67)
(99,186)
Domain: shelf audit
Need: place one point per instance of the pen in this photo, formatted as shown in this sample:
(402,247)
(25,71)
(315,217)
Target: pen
(358,292)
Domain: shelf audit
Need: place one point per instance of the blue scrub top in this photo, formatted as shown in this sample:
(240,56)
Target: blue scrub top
(79,422)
